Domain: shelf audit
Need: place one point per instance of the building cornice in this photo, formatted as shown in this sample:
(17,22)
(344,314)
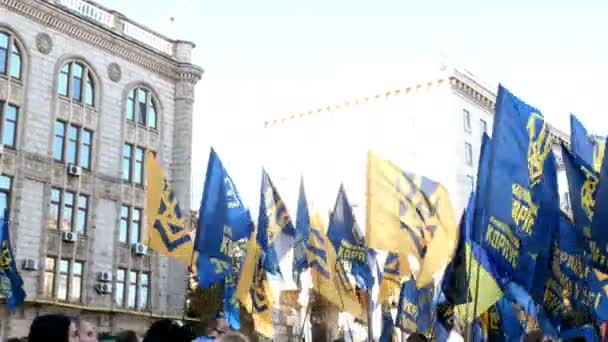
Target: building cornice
(103,38)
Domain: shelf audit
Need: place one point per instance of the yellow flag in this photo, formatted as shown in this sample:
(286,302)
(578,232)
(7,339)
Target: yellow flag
(253,289)
(409,215)
(489,291)
(327,279)
(167,234)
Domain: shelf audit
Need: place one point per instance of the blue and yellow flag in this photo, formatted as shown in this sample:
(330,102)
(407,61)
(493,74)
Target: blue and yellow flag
(590,148)
(325,271)
(344,234)
(300,261)
(599,226)
(253,289)
(11,284)
(167,234)
(416,308)
(521,204)
(232,309)
(395,268)
(388,325)
(224,224)
(409,215)
(444,323)
(276,233)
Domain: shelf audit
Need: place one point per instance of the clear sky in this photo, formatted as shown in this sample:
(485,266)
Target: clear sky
(264,58)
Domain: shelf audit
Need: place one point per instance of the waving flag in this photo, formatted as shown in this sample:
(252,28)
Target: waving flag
(590,148)
(343,232)
(395,268)
(521,205)
(166,232)
(11,284)
(409,214)
(415,311)
(224,225)
(300,261)
(388,325)
(275,230)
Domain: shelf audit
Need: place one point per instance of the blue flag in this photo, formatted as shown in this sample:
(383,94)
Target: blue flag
(416,309)
(232,309)
(223,222)
(344,234)
(483,173)
(11,284)
(300,261)
(275,229)
(521,203)
(599,226)
(444,323)
(388,325)
(587,332)
(590,148)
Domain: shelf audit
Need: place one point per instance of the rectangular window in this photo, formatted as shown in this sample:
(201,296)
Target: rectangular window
(152,116)
(59,138)
(131,106)
(10,126)
(77,72)
(468,154)
(144,290)
(138,173)
(119,287)
(127,152)
(136,226)
(64,274)
(124,224)
(88,91)
(467,120)
(142,105)
(3,52)
(81,217)
(470,183)
(54,208)
(6,185)
(64,76)
(72,144)
(76,284)
(483,126)
(85,148)
(132,290)
(68,211)
(16,62)
(49,277)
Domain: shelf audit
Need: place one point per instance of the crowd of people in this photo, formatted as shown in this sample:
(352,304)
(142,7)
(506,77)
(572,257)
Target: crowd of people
(61,328)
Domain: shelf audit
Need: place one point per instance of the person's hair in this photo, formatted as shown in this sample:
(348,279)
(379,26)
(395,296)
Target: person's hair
(169,330)
(535,335)
(416,337)
(233,336)
(53,327)
(16,339)
(126,336)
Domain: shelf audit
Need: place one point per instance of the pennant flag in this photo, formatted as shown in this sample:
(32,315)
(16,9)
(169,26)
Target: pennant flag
(395,268)
(253,289)
(224,225)
(415,311)
(300,262)
(166,232)
(11,284)
(325,271)
(388,326)
(343,232)
(521,202)
(590,148)
(409,215)
(275,230)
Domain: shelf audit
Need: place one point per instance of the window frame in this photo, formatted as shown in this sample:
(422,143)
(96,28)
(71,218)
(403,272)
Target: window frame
(67,282)
(74,207)
(468,154)
(13,45)
(51,273)
(73,277)
(131,223)
(8,193)
(79,144)
(134,177)
(470,182)
(140,288)
(483,126)
(135,286)
(4,108)
(86,79)
(122,282)
(466,118)
(132,110)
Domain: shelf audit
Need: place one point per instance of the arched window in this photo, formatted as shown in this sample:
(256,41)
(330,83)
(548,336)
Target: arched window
(142,107)
(76,82)
(10,56)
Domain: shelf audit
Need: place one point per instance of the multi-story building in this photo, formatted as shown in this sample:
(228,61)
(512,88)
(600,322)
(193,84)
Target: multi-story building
(84,93)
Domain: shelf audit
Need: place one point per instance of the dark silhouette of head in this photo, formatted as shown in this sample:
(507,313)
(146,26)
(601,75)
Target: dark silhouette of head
(127,336)
(169,330)
(416,337)
(53,327)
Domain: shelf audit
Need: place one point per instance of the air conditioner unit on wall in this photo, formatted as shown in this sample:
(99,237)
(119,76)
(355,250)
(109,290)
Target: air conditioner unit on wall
(74,170)
(103,288)
(105,277)
(30,264)
(70,236)
(139,248)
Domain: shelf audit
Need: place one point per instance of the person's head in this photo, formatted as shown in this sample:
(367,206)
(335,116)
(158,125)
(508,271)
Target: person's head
(127,336)
(221,323)
(233,336)
(54,327)
(416,337)
(535,335)
(15,339)
(87,332)
(169,330)
(214,328)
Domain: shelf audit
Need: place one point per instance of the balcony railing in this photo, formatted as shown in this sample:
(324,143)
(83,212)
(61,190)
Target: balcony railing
(108,19)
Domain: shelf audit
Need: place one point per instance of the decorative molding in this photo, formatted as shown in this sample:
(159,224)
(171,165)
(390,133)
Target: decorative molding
(44,43)
(114,72)
(55,18)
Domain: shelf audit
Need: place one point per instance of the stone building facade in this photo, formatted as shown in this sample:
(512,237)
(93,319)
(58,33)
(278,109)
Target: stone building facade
(84,93)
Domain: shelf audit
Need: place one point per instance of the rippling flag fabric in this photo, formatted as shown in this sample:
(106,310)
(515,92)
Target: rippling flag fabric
(344,234)
(276,233)
(416,308)
(521,204)
(11,284)
(167,234)
(395,268)
(410,215)
(300,261)
(388,325)
(590,148)
(224,224)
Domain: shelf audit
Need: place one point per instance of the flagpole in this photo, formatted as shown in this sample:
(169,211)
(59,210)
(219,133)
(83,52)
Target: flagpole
(370,303)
